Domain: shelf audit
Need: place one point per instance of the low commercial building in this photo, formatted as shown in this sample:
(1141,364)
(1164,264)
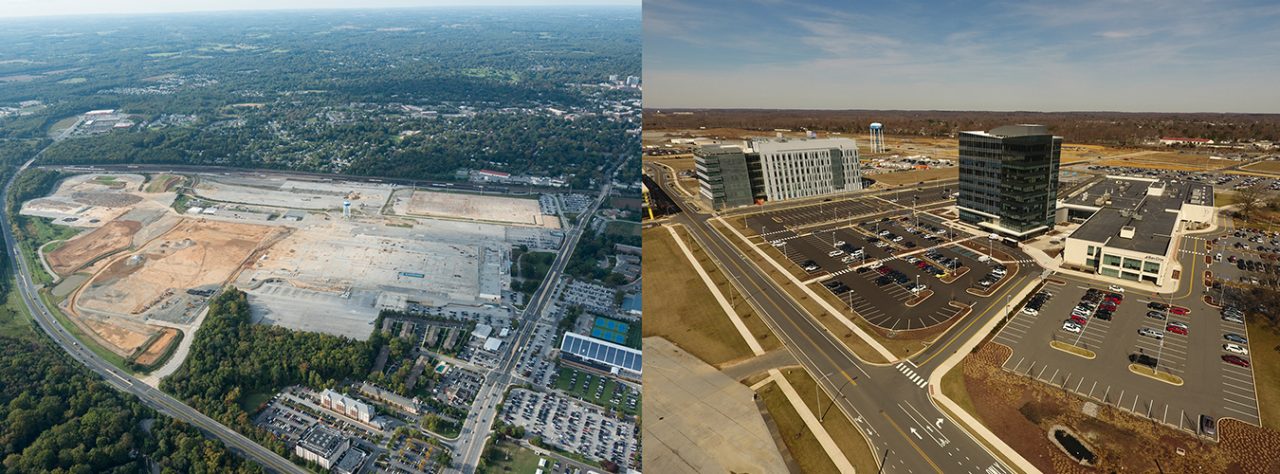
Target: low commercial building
(322,445)
(1135,226)
(601,356)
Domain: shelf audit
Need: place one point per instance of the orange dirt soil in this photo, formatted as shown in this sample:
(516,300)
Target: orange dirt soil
(119,339)
(158,347)
(113,236)
(192,254)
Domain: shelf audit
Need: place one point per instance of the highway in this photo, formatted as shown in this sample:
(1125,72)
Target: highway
(886,402)
(119,379)
(479,423)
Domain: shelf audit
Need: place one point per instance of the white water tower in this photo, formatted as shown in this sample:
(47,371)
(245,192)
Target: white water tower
(877,137)
(346,209)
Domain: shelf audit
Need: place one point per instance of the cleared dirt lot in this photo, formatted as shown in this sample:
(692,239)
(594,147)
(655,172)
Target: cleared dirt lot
(193,254)
(113,236)
(158,347)
(477,207)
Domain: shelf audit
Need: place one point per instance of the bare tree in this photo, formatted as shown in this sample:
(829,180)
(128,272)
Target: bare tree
(1252,199)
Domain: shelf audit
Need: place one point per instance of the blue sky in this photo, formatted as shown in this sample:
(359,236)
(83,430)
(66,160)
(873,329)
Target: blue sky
(1129,55)
(30,8)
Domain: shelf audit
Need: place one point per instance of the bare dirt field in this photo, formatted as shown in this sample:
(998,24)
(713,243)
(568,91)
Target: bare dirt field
(193,254)
(913,177)
(477,207)
(121,339)
(113,236)
(158,347)
(1167,160)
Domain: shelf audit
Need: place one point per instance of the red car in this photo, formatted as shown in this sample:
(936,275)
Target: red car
(1178,310)
(921,264)
(1108,305)
(1176,330)
(1117,297)
(1235,360)
(1079,320)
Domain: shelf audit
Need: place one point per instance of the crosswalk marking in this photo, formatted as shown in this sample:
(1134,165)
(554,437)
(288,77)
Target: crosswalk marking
(912,375)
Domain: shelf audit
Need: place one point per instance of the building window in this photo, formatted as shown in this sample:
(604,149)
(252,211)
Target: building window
(1111,260)
(1151,267)
(1092,250)
(1132,264)
(1109,272)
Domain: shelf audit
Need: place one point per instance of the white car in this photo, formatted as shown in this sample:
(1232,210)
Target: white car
(1029,310)
(1071,326)
(1235,348)
(897,239)
(779,243)
(1178,324)
(1116,288)
(838,243)
(883,233)
(918,288)
(848,259)
(835,253)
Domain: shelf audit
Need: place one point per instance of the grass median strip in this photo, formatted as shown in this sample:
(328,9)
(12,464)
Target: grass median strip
(1073,349)
(1151,373)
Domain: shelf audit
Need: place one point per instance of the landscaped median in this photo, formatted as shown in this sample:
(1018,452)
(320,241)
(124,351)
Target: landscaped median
(1151,373)
(1073,349)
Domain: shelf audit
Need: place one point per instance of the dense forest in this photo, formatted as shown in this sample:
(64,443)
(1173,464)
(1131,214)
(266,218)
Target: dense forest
(231,358)
(59,417)
(420,93)
(1109,128)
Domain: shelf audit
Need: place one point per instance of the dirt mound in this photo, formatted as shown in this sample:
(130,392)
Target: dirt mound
(111,237)
(105,199)
(158,347)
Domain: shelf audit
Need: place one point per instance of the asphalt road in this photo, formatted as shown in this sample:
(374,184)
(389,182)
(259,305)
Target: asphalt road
(887,403)
(121,380)
(479,423)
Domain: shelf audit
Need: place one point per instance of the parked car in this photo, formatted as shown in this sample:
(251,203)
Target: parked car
(1157,305)
(1152,333)
(1236,338)
(1070,326)
(1156,315)
(1116,288)
(1207,426)
(1178,310)
(1235,349)
(1236,360)
(1176,330)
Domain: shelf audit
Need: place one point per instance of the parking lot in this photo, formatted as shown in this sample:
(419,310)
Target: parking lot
(878,267)
(573,426)
(1143,330)
(846,209)
(1247,257)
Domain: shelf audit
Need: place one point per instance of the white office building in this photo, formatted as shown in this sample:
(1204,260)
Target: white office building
(795,168)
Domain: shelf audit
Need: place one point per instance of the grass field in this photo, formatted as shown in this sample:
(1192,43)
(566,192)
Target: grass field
(1264,345)
(511,458)
(804,448)
(589,393)
(14,319)
(680,306)
(622,228)
(1168,160)
(250,402)
(1268,167)
(851,442)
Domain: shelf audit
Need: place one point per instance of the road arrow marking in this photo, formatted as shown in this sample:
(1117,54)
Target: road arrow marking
(938,423)
(914,432)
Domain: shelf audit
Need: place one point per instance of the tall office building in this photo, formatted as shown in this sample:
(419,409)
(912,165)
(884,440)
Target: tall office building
(723,176)
(1009,179)
(762,170)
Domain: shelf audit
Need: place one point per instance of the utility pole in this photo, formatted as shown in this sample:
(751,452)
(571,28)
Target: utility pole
(884,460)
(817,398)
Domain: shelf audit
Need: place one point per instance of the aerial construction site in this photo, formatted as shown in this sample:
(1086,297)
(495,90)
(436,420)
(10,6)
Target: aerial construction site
(316,255)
